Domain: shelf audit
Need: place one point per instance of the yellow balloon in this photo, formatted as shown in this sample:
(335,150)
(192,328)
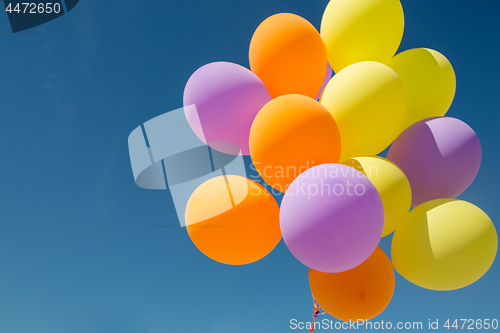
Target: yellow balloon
(361,30)
(392,185)
(429,81)
(368,102)
(444,244)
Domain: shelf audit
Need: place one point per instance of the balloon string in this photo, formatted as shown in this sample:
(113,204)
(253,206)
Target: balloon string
(318,311)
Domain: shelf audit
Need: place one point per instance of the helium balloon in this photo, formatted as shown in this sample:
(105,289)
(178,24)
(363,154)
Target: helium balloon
(429,82)
(233,220)
(440,156)
(289,56)
(392,185)
(331,218)
(444,244)
(227,97)
(361,30)
(289,135)
(367,100)
(359,293)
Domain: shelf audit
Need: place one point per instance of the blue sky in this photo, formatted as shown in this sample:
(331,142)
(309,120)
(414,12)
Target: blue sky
(77,250)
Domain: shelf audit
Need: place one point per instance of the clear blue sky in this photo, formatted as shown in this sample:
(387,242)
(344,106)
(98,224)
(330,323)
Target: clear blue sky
(77,253)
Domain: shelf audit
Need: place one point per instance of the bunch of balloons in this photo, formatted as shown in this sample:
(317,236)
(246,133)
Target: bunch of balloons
(315,138)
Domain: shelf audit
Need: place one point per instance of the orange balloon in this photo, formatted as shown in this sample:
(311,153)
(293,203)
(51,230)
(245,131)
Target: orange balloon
(289,135)
(288,55)
(359,293)
(233,220)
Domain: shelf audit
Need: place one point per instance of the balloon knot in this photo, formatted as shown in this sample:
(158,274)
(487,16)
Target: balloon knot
(318,311)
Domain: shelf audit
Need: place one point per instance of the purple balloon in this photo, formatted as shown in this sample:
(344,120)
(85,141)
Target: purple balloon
(227,97)
(331,218)
(440,156)
(328,77)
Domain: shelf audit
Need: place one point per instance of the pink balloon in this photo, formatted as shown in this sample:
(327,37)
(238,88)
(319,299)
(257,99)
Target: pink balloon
(331,218)
(227,97)
(440,156)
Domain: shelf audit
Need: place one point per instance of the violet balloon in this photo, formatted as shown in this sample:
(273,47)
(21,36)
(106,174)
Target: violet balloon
(331,218)
(440,156)
(227,97)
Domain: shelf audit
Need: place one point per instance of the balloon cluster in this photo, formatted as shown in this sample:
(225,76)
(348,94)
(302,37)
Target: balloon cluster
(315,138)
